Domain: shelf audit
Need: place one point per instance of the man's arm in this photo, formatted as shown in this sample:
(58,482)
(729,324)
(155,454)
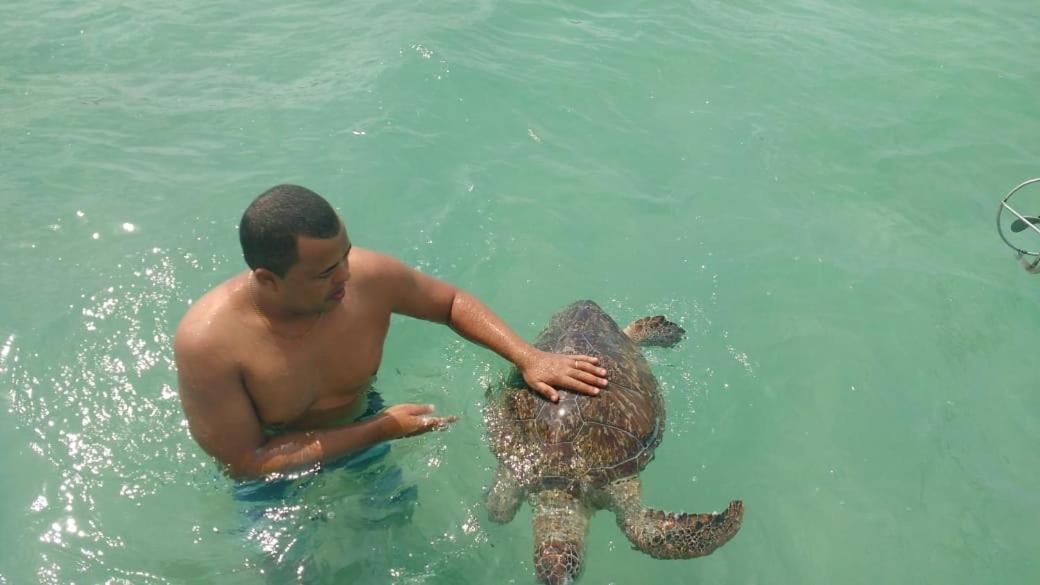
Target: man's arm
(222,420)
(423,296)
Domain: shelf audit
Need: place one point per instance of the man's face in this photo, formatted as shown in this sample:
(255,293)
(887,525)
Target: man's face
(317,282)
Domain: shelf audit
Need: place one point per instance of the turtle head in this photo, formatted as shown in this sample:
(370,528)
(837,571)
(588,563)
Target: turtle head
(560,522)
(558,562)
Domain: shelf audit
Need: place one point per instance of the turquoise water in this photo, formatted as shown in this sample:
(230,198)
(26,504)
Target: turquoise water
(807,187)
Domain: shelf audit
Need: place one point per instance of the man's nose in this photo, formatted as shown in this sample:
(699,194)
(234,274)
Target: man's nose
(342,273)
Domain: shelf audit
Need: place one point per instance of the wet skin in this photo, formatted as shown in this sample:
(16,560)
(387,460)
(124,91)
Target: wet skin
(270,369)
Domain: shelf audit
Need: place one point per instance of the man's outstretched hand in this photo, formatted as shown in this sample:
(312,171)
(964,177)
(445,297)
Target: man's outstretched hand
(544,372)
(406,420)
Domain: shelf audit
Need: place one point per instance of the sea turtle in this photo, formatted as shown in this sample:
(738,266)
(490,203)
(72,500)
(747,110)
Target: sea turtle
(584,453)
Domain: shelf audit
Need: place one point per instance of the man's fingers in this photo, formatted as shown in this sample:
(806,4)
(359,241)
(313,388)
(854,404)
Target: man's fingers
(587,367)
(424,408)
(547,391)
(584,388)
(588,378)
(588,364)
(439,422)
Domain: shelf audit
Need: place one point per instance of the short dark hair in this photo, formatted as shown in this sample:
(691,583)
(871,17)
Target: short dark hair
(273,220)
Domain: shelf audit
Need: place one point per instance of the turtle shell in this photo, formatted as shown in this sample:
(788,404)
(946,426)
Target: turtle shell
(581,440)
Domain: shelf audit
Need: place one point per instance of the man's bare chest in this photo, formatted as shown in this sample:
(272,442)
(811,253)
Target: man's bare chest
(293,381)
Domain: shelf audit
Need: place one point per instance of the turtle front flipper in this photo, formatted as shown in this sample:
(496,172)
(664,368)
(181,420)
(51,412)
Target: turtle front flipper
(654,331)
(560,523)
(504,496)
(667,535)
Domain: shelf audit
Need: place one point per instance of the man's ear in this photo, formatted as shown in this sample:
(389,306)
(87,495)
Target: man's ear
(265,277)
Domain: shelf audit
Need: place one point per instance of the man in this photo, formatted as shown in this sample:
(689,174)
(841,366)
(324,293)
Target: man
(275,364)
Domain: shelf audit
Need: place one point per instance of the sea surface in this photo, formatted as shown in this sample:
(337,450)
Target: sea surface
(808,187)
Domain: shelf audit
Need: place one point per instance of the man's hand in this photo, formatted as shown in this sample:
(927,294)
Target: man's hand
(406,420)
(579,373)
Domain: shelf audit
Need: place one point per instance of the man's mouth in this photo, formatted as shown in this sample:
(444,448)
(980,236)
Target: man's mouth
(338,293)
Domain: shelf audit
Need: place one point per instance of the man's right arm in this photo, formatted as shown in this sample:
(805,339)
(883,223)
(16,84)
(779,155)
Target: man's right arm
(223,421)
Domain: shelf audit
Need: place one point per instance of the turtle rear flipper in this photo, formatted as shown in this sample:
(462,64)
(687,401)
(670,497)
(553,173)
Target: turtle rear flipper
(654,331)
(667,535)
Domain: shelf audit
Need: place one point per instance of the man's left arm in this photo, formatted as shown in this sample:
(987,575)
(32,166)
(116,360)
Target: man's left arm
(422,296)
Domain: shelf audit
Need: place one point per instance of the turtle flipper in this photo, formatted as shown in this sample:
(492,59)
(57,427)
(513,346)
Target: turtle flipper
(504,496)
(560,523)
(667,535)
(654,331)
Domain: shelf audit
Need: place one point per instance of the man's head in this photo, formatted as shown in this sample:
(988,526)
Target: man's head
(275,219)
(294,242)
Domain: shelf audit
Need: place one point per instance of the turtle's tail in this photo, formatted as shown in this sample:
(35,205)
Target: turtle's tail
(667,535)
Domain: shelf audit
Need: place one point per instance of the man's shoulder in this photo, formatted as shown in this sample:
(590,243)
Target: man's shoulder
(202,328)
(376,268)
(380,277)
(373,261)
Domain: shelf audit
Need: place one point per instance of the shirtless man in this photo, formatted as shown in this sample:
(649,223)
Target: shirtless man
(275,363)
